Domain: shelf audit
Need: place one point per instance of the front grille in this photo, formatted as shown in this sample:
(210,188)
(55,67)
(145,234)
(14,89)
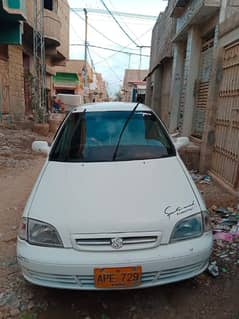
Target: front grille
(87,281)
(104,242)
(77,281)
(180,271)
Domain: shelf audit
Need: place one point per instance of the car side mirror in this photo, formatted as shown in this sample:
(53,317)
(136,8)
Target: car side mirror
(179,142)
(41,147)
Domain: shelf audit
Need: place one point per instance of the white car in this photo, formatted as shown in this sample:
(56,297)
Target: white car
(114,206)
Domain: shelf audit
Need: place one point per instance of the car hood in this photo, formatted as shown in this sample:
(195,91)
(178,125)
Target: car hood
(136,196)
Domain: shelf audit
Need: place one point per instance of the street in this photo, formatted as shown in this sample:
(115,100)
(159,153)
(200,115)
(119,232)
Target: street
(201,297)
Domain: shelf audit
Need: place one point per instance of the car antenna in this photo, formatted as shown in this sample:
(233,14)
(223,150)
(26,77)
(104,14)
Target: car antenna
(122,131)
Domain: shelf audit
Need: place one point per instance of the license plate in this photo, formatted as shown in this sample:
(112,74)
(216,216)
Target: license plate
(122,277)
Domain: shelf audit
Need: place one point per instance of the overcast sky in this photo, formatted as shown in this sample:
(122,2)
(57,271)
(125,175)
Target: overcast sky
(112,64)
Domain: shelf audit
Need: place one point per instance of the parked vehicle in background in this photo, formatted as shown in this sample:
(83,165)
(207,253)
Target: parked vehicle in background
(70,101)
(114,206)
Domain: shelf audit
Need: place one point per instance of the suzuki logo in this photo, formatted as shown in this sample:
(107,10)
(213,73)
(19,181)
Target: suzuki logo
(117,243)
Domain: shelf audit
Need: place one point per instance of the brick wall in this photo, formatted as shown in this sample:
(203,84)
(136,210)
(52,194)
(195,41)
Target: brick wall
(4,86)
(16,83)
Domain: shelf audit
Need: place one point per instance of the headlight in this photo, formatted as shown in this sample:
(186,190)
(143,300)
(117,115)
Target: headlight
(189,227)
(22,232)
(206,222)
(39,233)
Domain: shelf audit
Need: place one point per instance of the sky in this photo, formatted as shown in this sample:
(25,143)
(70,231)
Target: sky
(113,64)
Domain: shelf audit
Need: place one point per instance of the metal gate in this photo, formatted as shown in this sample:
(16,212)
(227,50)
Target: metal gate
(199,111)
(225,159)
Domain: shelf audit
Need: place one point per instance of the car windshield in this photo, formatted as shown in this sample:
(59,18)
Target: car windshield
(93,137)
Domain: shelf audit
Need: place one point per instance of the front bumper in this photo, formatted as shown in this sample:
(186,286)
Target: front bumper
(71,269)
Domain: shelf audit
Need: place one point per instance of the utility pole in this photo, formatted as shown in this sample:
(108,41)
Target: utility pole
(39,81)
(85,59)
(129,60)
(140,57)
(140,53)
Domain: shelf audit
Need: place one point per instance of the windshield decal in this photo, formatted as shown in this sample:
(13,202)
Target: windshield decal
(170,210)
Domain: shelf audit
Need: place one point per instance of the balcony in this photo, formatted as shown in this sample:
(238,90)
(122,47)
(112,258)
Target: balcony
(52,29)
(15,9)
(193,12)
(12,13)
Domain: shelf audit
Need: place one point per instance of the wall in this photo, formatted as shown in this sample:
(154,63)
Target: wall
(30,12)
(158,87)
(162,35)
(62,10)
(165,92)
(219,152)
(16,82)
(131,76)
(4,87)
(64,15)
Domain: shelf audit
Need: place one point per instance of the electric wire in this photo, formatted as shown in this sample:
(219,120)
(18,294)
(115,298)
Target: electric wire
(120,26)
(126,47)
(99,32)
(122,21)
(109,66)
(109,49)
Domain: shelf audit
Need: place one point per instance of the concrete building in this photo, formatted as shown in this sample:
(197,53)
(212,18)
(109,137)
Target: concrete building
(134,86)
(16,51)
(101,91)
(69,80)
(161,63)
(193,80)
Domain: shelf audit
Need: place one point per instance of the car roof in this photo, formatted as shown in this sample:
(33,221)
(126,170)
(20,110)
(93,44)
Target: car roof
(110,106)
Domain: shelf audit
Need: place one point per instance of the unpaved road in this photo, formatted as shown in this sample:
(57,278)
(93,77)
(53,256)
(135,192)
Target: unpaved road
(201,297)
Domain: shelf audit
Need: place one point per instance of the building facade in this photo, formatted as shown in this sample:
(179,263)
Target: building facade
(134,86)
(16,52)
(202,57)
(161,62)
(69,79)
(101,90)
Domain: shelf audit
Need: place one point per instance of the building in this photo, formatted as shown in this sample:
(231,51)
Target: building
(69,79)
(101,91)
(161,63)
(199,91)
(16,52)
(134,86)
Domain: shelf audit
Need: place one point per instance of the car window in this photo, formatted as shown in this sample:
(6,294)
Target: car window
(93,137)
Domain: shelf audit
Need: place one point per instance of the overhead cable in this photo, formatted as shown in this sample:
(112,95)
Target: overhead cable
(99,32)
(109,49)
(120,26)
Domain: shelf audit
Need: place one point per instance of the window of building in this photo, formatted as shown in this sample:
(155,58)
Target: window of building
(3,51)
(51,5)
(48,4)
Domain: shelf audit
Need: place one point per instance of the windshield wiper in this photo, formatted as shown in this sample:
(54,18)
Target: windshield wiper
(122,131)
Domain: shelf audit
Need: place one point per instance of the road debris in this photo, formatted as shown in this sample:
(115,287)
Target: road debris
(213,269)
(225,224)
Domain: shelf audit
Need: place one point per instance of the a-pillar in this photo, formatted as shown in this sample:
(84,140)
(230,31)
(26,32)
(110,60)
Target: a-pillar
(193,54)
(176,86)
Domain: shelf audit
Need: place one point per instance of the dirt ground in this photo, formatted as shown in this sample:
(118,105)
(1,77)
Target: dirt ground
(201,297)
